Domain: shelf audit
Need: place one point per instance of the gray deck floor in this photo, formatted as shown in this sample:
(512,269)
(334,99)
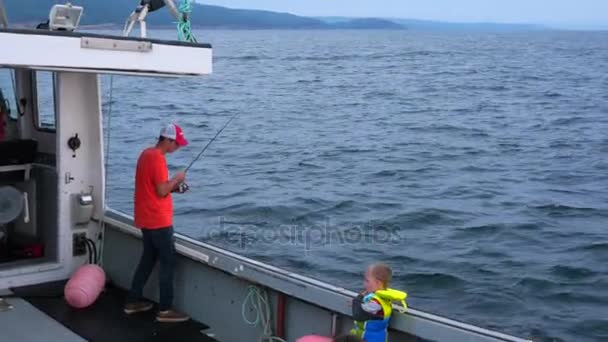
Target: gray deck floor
(40,313)
(24,322)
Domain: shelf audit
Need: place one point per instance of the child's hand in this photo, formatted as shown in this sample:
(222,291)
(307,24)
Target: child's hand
(350,300)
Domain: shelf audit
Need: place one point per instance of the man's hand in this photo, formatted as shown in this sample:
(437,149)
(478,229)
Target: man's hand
(165,188)
(179,177)
(182,187)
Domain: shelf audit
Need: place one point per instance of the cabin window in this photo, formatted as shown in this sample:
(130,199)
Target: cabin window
(7,92)
(45,104)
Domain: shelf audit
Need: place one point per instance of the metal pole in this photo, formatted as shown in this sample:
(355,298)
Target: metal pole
(172,8)
(3,17)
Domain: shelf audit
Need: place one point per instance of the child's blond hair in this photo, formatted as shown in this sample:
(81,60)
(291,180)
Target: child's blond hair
(381,272)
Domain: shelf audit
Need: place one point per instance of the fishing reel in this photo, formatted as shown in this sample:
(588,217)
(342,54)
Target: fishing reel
(182,187)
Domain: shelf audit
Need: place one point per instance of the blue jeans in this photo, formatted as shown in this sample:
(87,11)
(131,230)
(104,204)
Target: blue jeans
(158,245)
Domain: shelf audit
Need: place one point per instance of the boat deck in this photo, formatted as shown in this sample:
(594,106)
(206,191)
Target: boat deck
(39,313)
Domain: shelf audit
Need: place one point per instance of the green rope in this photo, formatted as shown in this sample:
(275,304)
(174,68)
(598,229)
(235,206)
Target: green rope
(184,30)
(257,301)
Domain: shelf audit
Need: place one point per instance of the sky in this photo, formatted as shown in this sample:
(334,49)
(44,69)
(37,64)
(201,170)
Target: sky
(574,12)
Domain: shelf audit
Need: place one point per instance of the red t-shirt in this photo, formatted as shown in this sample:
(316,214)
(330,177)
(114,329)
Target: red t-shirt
(151,210)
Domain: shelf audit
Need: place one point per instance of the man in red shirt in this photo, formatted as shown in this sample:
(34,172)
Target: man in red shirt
(154,216)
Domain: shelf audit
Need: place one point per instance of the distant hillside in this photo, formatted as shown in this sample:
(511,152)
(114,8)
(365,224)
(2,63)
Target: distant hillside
(115,12)
(429,25)
(366,23)
(98,12)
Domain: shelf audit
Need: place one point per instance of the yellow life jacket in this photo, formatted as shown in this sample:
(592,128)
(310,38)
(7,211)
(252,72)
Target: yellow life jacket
(376,330)
(392,295)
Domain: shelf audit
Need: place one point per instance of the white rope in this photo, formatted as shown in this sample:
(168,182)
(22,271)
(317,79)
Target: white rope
(102,226)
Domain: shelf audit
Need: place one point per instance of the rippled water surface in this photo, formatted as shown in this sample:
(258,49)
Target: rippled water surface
(476,165)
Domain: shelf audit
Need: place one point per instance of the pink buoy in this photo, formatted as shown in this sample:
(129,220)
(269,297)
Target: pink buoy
(84,286)
(314,338)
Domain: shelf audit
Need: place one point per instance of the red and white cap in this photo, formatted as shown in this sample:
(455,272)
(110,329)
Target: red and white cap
(173,131)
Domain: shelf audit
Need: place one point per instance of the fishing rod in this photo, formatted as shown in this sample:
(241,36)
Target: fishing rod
(209,143)
(183,187)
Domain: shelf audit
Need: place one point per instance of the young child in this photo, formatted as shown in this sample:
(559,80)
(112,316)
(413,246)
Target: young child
(372,309)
